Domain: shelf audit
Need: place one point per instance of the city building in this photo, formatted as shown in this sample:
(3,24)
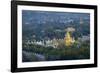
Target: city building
(55,43)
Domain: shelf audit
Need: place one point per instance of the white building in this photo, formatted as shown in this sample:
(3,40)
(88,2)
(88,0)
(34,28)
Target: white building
(84,38)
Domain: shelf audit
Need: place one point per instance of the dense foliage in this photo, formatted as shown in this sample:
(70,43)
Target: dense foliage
(73,52)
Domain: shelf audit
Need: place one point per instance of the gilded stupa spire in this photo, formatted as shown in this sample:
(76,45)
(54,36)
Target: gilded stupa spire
(68,39)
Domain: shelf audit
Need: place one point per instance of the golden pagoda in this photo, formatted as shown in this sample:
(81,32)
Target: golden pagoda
(68,39)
